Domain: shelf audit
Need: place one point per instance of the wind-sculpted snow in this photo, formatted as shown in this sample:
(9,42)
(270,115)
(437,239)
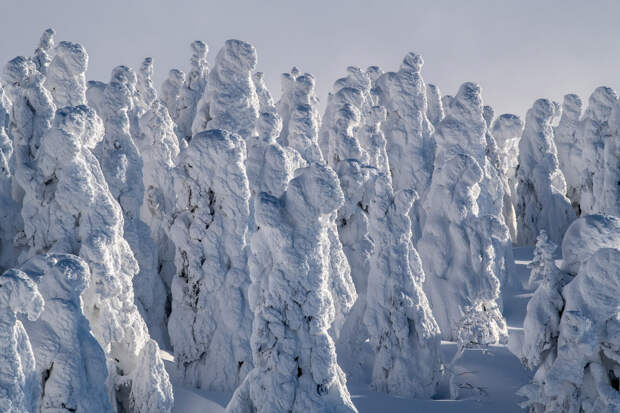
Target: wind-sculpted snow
(70,363)
(409,133)
(584,375)
(464,131)
(66,75)
(595,132)
(541,201)
(435,111)
(122,165)
(570,149)
(458,253)
(231,94)
(403,331)
(42,57)
(507,130)
(608,202)
(19,384)
(585,236)
(294,355)
(183,95)
(71,210)
(211,320)
(300,118)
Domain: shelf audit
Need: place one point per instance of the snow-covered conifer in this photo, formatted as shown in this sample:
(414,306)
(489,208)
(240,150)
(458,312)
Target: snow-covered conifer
(542,262)
(70,363)
(211,320)
(435,111)
(458,253)
(69,209)
(300,118)
(19,384)
(507,130)
(295,358)
(409,133)
(594,133)
(608,202)
(401,326)
(583,376)
(231,95)
(42,58)
(541,203)
(569,148)
(66,75)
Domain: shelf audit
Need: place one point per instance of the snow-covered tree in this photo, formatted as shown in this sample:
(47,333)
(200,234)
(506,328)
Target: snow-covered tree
(584,375)
(68,208)
(231,95)
(569,147)
(300,118)
(122,166)
(435,111)
(70,363)
(595,132)
(542,263)
(609,200)
(401,326)
(295,358)
(409,133)
(457,251)
(42,57)
(507,130)
(66,75)
(19,384)
(211,320)
(541,188)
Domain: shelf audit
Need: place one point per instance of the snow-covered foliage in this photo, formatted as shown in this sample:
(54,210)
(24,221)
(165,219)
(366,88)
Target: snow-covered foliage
(68,208)
(66,75)
(295,358)
(542,263)
(541,188)
(70,363)
(595,132)
(401,326)
(608,177)
(211,320)
(118,105)
(300,117)
(19,384)
(435,111)
(232,100)
(507,130)
(457,250)
(42,57)
(584,375)
(569,147)
(409,133)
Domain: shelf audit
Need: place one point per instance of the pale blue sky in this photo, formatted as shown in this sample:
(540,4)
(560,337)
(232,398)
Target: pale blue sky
(518,50)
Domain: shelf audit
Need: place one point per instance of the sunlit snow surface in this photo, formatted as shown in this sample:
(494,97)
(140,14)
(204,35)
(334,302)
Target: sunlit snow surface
(487,381)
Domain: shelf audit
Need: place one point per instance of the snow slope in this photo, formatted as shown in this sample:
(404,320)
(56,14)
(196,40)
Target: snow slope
(487,382)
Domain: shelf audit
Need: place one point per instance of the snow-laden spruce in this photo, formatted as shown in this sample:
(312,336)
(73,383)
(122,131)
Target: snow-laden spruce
(231,95)
(70,363)
(68,208)
(402,329)
(570,149)
(595,132)
(409,133)
(435,111)
(458,254)
(159,148)
(41,56)
(66,74)
(300,118)
(584,375)
(182,95)
(295,358)
(211,320)
(608,202)
(541,188)
(507,130)
(117,104)
(19,384)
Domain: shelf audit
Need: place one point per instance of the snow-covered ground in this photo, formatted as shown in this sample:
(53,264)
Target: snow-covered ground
(487,380)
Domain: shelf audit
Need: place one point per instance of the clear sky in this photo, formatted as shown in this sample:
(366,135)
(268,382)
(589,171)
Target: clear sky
(517,50)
